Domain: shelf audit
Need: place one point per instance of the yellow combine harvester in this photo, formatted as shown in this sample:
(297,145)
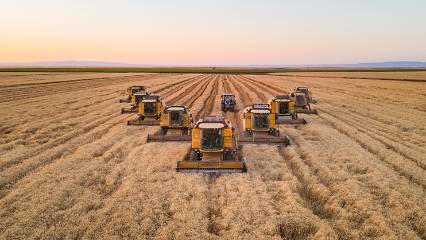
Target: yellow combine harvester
(149,111)
(307,92)
(131,91)
(134,104)
(214,148)
(283,108)
(302,103)
(175,123)
(260,126)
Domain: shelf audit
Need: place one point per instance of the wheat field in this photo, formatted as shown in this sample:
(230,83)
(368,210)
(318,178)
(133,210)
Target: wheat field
(70,167)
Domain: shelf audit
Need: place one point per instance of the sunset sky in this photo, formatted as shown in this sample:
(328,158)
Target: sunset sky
(191,32)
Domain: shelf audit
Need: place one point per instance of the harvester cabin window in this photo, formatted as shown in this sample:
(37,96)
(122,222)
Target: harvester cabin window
(175,118)
(283,107)
(149,107)
(260,121)
(212,139)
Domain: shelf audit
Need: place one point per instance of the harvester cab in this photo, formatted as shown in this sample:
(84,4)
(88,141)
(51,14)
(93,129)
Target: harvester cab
(134,103)
(307,92)
(149,111)
(302,103)
(260,126)
(175,123)
(214,148)
(228,102)
(131,91)
(283,108)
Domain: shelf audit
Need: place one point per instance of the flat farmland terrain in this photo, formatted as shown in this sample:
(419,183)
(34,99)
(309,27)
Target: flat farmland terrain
(70,167)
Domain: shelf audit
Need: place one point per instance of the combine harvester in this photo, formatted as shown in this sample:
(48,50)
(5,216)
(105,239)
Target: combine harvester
(283,108)
(175,123)
(214,148)
(136,99)
(131,91)
(228,102)
(260,126)
(302,103)
(307,92)
(149,111)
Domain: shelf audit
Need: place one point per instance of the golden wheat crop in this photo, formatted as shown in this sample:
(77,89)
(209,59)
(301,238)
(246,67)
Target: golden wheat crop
(70,168)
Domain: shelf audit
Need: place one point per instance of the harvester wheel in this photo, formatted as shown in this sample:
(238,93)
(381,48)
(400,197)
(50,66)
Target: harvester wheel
(194,156)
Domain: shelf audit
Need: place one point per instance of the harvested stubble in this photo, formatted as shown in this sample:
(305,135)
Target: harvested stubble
(71,167)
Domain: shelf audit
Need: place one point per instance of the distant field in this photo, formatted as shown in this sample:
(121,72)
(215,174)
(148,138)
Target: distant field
(71,168)
(401,75)
(223,70)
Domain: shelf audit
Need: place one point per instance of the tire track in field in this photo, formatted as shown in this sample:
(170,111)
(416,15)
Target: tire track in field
(364,213)
(10,94)
(243,101)
(232,116)
(32,133)
(380,129)
(364,100)
(56,142)
(357,78)
(389,143)
(173,86)
(27,94)
(110,190)
(265,87)
(74,87)
(416,177)
(187,89)
(411,177)
(259,94)
(309,197)
(318,212)
(14,173)
(302,155)
(198,94)
(193,97)
(91,108)
(72,81)
(208,103)
(213,194)
(244,96)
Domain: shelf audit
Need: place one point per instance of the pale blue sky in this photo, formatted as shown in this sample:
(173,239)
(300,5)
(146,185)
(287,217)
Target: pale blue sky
(213,32)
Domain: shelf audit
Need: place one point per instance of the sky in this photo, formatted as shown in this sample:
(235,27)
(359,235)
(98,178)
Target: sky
(220,32)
